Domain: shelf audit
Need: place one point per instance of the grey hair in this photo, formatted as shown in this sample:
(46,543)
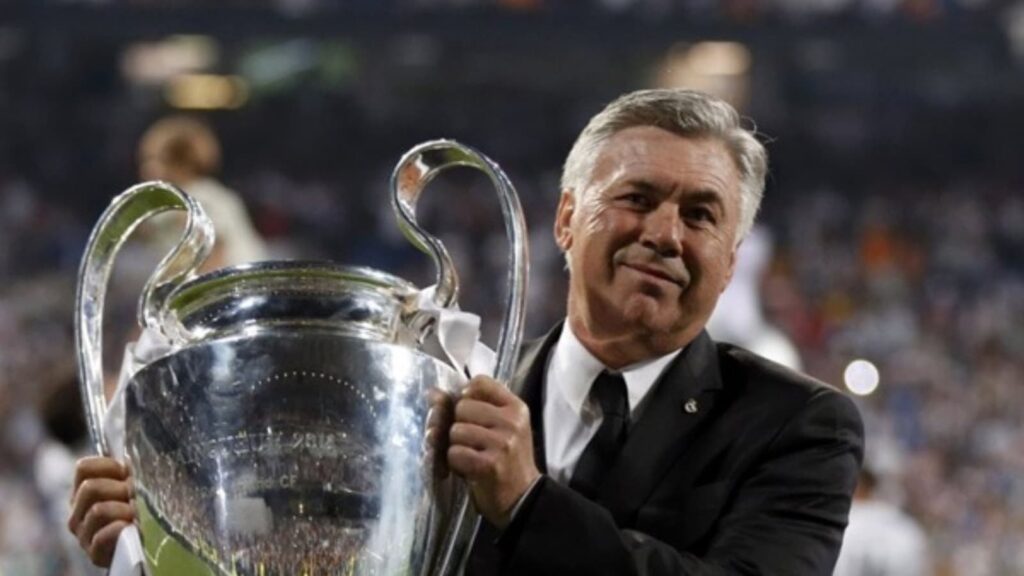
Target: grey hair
(688,113)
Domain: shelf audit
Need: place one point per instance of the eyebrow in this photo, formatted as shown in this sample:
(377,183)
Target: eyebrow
(701,196)
(706,197)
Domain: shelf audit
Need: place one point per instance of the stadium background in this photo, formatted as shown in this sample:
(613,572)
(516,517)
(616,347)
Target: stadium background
(895,202)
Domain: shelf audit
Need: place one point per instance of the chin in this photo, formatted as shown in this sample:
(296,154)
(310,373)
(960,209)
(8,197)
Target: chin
(649,315)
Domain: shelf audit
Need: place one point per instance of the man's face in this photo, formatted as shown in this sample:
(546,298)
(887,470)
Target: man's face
(651,238)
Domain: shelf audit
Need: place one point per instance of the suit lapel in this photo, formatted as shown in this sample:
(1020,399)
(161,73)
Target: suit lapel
(528,384)
(683,397)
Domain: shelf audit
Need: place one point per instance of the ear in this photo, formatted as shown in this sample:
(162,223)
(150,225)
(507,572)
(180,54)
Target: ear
(563,220)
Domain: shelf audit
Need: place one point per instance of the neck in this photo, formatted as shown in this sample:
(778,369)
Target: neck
(627,347)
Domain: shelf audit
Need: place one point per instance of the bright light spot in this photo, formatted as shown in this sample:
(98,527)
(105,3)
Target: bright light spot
(861,377)
(207,92)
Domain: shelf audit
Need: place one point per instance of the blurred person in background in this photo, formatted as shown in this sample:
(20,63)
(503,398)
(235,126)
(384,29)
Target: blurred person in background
(881,539)
(739,317)
(185,152)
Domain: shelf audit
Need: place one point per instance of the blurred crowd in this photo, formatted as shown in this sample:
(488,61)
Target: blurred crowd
(926,283)
(738,11)
(897,219)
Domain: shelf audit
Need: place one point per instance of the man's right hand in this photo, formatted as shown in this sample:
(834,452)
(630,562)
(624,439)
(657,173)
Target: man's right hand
(100,506)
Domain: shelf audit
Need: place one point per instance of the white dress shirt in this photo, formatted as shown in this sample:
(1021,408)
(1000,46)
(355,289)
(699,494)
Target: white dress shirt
(571,417)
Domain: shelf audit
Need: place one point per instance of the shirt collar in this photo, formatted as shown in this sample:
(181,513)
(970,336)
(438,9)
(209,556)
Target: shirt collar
(573,370)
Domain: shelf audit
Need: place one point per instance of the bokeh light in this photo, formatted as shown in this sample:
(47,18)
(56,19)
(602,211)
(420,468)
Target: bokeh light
(861,377)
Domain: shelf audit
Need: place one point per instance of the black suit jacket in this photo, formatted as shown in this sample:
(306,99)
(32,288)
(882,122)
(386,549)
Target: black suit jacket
(755,478)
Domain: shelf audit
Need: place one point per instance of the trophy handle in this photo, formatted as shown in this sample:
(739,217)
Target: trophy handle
(126,211)
(414,171)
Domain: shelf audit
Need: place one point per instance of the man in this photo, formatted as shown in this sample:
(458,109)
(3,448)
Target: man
(726,463)
(687,457)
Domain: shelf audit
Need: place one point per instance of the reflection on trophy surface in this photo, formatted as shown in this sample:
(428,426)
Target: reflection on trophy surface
(296,425)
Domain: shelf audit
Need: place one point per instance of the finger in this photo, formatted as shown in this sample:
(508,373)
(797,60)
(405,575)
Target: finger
(98,517)
(100,467)
(472,464)
(489,390)
(476,437)
(104,543)
(480,413)
(93,491)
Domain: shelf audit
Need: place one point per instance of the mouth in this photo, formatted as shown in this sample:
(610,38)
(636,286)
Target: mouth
(657,273)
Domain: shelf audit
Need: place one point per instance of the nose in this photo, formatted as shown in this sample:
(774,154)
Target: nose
(663,231)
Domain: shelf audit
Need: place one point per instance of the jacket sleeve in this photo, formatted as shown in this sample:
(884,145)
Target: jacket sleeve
(786,516)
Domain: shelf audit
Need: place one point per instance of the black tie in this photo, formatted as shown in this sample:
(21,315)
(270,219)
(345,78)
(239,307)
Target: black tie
(610,392)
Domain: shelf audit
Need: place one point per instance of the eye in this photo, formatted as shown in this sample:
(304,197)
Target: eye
(637,200)
(701,214)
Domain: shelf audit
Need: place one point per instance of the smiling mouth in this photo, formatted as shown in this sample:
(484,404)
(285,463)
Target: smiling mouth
(655,273)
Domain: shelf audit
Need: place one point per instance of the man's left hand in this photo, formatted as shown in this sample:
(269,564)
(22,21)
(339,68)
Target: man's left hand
(492,448)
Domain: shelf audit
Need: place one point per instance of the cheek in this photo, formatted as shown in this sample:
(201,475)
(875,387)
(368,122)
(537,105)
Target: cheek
(710,265)
(609,225)
(594,220)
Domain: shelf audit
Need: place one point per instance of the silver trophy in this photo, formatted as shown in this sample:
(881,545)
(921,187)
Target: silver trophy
(298,425)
